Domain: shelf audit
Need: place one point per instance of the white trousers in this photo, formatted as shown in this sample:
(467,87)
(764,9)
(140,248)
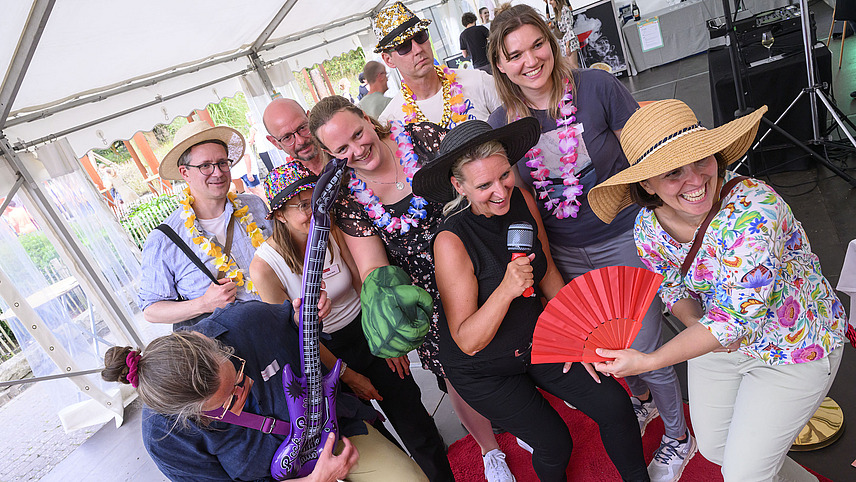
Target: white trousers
(747,414)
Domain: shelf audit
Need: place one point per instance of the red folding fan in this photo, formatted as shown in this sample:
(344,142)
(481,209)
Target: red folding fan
(603,308)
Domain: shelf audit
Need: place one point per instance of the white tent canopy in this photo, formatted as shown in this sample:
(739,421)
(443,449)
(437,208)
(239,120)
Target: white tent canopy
(151,62)
(81,74)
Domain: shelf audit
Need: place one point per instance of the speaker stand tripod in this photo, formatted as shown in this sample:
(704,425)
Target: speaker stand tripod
(814,91)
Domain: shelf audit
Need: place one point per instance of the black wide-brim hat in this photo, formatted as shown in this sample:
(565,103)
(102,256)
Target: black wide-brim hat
(432,181)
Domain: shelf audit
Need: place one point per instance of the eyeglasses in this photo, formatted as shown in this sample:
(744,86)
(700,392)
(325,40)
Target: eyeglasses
(239,392)
(288,138)
(405,47)
(208,168)
(305,206)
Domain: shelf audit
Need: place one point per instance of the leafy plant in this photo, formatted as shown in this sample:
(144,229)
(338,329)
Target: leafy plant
(142,218)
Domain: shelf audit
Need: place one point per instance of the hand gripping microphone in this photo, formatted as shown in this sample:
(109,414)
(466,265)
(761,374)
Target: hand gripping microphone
(519,242)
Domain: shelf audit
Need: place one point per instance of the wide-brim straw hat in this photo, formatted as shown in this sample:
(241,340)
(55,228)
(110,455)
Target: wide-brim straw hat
(395,24)
(193,133)
(663,136)
(285,182)
(432,181)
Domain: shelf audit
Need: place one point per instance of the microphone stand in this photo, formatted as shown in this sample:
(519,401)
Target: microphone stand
(812,90)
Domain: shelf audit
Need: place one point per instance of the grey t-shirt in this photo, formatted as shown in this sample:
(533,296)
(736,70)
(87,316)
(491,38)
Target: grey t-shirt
(603,106)
(374,103)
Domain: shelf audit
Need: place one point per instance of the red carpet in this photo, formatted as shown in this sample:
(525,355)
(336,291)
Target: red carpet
(589,462)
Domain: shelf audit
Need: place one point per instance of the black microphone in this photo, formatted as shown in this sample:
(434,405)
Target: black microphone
(519,242)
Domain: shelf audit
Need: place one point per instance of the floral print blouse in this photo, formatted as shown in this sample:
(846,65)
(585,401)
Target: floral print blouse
(755,276)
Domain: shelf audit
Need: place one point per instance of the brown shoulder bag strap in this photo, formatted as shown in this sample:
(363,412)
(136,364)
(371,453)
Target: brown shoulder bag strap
(228,247)
(726,188)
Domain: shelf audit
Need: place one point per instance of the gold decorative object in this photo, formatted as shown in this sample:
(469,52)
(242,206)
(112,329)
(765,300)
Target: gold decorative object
(822,429)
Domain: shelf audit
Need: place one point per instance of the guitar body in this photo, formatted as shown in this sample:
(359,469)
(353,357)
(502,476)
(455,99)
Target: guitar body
(311,397)
(297,455)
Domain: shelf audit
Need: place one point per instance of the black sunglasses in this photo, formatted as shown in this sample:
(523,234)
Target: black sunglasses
(405,47)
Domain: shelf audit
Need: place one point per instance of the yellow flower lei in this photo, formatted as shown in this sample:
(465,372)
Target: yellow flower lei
(412,112)
(210,247)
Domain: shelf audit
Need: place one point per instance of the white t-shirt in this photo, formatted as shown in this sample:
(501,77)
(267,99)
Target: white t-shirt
(336,276)
(479,94)
(216,227)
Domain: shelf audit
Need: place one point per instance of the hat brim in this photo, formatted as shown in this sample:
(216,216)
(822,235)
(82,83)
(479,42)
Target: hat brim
(289,192)
(432,181)
(397,40)
(732,140)
(169,165)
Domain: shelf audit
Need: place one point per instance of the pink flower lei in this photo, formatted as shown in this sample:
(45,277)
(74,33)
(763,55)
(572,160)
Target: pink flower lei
(568,142)
(365,196)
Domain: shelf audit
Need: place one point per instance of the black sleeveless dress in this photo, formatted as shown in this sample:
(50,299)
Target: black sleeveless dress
(485,241)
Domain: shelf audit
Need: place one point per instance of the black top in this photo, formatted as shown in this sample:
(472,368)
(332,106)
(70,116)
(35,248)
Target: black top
(474,41)
(485,241)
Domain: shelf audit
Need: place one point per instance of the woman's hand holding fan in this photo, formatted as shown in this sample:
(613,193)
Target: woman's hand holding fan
(603,308)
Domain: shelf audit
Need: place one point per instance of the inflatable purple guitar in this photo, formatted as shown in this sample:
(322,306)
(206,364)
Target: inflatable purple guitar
(311,398)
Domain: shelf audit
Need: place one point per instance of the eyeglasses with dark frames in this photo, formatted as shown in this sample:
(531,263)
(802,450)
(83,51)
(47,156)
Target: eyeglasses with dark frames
(207,168)
(289,137)
(405,47)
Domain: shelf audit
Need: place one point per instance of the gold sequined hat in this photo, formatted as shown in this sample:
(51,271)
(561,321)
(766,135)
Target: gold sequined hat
(395,24)
(663,136)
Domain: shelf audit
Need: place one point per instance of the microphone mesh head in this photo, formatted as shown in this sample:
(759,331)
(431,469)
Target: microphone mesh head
(520,237)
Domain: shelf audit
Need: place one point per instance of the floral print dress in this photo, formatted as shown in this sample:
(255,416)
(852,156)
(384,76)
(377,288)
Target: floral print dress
(411,251)
(755,276)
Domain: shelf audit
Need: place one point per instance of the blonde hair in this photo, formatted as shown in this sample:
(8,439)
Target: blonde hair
(177,373)
(506,21)
(482,151)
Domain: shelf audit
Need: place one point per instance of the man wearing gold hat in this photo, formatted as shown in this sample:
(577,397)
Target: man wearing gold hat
(220,228)
(432,93)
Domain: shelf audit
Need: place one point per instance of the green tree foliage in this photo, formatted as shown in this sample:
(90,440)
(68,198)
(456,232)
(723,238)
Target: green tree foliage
(231,111)
(348,65)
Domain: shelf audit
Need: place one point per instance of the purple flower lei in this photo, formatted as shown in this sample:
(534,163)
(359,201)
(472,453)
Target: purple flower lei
(568,142)
(365,196)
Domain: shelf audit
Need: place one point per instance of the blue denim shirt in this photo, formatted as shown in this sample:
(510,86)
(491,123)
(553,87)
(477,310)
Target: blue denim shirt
(265,337)
(168,272)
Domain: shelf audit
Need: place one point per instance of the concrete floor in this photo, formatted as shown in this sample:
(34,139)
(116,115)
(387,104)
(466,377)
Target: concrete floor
(824,203)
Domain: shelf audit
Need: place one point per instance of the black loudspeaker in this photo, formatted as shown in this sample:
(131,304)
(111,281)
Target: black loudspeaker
(786,26)
(775,84)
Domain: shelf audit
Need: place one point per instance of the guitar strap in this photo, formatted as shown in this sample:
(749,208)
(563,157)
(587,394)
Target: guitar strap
(726,188)
(266,425)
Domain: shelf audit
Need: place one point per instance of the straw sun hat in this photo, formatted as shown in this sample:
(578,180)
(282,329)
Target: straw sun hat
(663,136)
(193,133)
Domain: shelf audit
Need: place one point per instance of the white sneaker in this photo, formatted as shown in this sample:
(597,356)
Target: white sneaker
(525,446)
(495,468)
(671,458)
(645,412)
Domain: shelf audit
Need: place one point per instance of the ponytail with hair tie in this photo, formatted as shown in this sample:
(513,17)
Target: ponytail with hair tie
(132,360)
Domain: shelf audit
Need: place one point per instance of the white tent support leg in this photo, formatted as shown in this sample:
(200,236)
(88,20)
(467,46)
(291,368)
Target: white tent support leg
(73,254)
(36,327)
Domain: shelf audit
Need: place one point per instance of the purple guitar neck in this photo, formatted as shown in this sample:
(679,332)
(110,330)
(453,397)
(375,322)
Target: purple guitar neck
(311,398)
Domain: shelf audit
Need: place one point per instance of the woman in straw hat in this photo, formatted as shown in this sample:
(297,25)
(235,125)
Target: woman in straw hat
(385,224)
(487,319)
(277,270)
(581,113)
(764,328)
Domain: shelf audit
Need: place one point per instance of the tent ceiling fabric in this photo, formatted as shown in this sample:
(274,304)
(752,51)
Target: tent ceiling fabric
(91,46)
